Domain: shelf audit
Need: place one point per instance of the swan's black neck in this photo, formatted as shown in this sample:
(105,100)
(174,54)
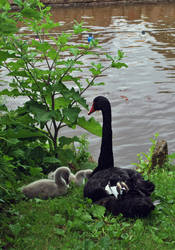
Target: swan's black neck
(106,159)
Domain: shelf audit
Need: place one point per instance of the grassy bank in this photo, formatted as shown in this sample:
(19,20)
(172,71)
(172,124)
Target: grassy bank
(70,222)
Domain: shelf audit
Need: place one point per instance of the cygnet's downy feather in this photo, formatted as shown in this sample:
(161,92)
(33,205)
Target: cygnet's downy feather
(47,188)
(78,178)
(51,175)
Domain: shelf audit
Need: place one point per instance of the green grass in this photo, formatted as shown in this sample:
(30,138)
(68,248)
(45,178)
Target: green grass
(71,222)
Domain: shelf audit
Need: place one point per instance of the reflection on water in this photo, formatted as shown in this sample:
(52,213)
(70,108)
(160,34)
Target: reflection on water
(148,82)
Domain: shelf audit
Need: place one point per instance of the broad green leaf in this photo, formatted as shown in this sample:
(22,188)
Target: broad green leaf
(4,55)
(21,133)
(78,98)
(99,84)
(59,102)
(67,140)
(109,57)
(30,13)
(56,114)
(41,113)
(94,71)
(13,141)
(71,114)
(19,73)
(63,38)
(18,64)
(34,171)
(12,93)
(119,65)
(51,160)
(74,51)
(8,26)
(120,54)
(49,25)
(60,88)
(3,107)
(90,125)
(43,47)
(10,141)
(19,153)
(13,84)
(66,156)
(78,28)
(98,66)
(52,54)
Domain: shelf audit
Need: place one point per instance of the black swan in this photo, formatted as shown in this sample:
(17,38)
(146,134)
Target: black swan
(120,190)
(78,178)
(46,188)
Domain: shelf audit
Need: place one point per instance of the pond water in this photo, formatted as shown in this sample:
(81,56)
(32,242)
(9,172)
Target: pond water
(148,82)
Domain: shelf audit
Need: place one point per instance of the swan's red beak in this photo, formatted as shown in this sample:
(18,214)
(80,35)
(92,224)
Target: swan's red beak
(91,110)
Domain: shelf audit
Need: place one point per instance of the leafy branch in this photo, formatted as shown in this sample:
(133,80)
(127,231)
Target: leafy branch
(41,71)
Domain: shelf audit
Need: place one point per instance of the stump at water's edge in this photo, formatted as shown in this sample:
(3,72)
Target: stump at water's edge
(160,154)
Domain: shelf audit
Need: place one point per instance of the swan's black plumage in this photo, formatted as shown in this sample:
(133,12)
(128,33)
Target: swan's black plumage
(105,159)
(134,203)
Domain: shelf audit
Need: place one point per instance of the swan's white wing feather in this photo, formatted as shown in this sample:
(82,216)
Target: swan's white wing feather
(114,191)
(108,189)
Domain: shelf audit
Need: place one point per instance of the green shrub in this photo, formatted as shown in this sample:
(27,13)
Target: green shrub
(54,93)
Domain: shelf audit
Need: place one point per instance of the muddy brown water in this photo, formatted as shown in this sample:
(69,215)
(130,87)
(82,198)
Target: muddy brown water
(148,82)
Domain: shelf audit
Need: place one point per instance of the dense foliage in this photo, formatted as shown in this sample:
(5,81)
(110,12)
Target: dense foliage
(46,71)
